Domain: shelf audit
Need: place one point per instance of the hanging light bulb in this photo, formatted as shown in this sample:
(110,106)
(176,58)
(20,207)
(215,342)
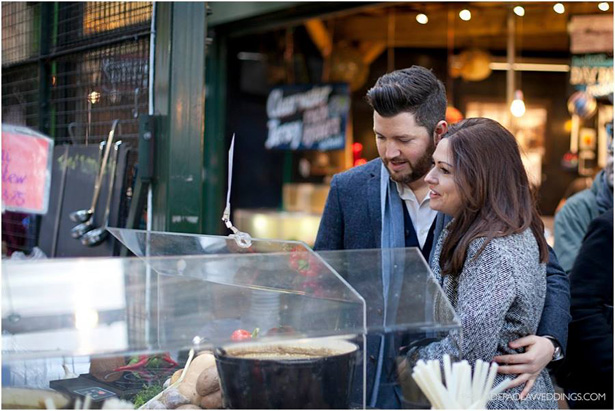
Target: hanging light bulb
(517,107)
(519,11)
(604,6)
(422,18)
(559,8)
(93,97)
(465,15)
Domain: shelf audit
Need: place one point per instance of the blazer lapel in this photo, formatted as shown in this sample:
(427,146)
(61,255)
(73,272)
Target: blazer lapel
(373,205)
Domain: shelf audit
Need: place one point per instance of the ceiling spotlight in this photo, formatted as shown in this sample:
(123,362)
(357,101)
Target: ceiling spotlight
(559,8)
(422,18)
(465,15)
(604,6)
(519,11)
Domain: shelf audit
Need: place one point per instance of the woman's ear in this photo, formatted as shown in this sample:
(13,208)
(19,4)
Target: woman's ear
(439,131)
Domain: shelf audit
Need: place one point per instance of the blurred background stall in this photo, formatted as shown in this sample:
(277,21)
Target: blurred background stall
(289,80)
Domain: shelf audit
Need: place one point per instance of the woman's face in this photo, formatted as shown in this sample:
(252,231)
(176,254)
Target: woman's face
(444,194)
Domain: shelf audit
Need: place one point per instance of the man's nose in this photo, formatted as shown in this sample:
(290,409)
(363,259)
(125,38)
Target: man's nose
(391,150)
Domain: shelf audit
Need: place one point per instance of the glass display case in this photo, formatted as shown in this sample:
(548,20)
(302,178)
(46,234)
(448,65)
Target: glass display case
(317,327)
(406,311)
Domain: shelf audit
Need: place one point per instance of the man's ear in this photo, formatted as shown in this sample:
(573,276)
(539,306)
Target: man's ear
(439,131)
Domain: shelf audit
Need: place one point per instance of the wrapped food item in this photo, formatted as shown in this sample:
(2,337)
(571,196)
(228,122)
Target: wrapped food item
(172,398)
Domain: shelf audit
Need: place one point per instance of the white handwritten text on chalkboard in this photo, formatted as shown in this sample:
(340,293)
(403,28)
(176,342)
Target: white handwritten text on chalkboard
(307,117)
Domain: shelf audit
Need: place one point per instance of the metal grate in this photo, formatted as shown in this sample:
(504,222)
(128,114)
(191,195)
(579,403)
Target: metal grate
(101,72)
(95,22)
(20,103)
(20,31)
(20,96)
(97,70)
(91,89)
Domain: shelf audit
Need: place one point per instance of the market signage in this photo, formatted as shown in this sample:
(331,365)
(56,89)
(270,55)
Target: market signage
(592,73)
(26,170)
(591,34)
(308,117)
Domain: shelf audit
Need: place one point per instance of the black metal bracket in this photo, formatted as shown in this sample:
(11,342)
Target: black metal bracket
(145,172)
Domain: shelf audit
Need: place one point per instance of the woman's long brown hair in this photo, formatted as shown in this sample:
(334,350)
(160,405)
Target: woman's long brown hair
(495,191)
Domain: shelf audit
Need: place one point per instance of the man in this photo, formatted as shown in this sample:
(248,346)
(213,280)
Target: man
(572,221)
(588,370)
(385,203)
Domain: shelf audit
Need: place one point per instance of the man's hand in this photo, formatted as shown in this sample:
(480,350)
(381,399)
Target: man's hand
(538,353)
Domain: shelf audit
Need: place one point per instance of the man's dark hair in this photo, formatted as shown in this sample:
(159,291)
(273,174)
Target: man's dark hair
(413,90)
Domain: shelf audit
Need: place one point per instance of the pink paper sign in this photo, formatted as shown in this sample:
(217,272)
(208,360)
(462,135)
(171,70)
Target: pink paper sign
(26,170)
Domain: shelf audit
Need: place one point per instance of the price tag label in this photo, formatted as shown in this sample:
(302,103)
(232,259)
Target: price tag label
(26,170)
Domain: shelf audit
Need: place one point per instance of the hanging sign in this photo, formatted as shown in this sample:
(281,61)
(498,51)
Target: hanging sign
(26,170)
(308,117)
(591,34)
(592,73)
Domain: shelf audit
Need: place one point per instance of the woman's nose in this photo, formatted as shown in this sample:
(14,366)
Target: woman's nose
(430,178)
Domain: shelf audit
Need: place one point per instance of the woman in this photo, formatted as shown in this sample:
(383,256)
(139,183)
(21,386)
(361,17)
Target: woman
(490,259)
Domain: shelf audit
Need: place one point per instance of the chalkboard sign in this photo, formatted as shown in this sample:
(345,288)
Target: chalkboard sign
(308,117)
(26,170)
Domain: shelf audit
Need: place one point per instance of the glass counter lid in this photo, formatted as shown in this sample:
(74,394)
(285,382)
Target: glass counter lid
(129,305)
(397,284)
(157,243)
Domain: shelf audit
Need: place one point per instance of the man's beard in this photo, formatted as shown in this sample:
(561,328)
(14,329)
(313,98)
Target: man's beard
(418,170)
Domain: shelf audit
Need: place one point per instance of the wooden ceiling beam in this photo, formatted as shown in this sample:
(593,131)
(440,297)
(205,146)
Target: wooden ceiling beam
(320,36)
(370,50)
(485,28)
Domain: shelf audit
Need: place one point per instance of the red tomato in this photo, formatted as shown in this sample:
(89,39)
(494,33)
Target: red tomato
(240,335)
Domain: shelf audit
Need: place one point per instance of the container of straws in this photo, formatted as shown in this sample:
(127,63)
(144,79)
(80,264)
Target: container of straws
(461,388)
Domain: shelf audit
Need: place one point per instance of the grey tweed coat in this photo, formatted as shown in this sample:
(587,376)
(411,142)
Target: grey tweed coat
(498,297)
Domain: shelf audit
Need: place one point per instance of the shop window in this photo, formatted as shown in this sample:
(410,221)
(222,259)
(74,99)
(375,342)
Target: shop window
(529,130)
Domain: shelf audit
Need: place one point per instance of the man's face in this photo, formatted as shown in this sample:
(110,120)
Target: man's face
(404,147)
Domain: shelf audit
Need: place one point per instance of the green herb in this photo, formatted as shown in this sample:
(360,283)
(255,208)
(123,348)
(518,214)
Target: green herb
(146,394)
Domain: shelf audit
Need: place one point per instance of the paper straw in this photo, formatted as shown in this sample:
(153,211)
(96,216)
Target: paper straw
(417,375)
(448,372)
(466,389)
(454,385)
(483,378)
(462,387)
(459,381)
(500,387)
(445,402)
(492,373)
(436,367)
(476,387)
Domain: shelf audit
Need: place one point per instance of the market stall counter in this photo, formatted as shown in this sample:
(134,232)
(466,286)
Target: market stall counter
(273,325)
